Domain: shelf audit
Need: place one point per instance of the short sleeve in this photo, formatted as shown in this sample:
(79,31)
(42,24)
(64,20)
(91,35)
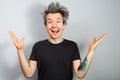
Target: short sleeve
(76,54)
(33,55)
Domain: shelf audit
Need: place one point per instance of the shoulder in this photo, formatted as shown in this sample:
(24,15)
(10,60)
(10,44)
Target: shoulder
(70,42)
(41,43)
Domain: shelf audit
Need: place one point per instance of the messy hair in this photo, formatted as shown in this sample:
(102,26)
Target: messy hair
(56,8)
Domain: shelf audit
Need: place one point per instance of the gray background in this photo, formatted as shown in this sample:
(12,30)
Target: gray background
(88,19)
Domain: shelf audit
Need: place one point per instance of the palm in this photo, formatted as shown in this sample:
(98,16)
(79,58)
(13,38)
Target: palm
(18,43)
(95,42)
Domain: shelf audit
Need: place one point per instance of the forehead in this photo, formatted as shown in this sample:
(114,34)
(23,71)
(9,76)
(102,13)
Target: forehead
(53,16)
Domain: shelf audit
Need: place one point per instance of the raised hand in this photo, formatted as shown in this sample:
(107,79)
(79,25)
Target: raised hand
(18,43)
(95,42)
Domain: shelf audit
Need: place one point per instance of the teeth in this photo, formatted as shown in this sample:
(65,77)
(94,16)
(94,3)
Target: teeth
(55,31)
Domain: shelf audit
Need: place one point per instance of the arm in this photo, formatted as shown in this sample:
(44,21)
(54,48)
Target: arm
(82,68)
(28,68)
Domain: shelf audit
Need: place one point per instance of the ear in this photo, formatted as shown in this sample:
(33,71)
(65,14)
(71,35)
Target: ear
(45,27)
(64,26)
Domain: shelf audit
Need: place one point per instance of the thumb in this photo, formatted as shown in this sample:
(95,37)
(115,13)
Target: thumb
(23,39)
(94,39)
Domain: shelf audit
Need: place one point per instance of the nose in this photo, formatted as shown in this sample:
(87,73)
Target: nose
(54,25)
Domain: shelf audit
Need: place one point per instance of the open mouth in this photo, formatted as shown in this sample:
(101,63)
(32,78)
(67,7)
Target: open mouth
(55,31)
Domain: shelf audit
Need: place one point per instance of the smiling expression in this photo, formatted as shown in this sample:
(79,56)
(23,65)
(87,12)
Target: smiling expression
(54,25)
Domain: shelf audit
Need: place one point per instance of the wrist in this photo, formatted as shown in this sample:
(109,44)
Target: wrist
(91,50)
(20,50)
(90,53)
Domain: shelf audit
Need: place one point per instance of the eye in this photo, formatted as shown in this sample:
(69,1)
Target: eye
(58,21)
(49,22)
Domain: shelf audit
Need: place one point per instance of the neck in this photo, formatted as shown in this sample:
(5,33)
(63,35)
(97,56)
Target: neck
(56,41)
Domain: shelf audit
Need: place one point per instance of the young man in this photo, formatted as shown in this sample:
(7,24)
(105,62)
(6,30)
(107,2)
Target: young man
(55,57)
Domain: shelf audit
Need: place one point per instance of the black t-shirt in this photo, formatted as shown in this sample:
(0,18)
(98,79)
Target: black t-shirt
(54,61)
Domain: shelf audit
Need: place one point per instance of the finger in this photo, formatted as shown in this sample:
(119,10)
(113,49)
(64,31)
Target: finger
(102,37)
(23,39)
(94,39)
(13,37)
(10,33)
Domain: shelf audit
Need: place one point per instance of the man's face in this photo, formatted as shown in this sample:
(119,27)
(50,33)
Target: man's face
(54,25)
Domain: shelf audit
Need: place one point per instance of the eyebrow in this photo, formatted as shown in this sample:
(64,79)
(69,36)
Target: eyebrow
(58,18)
(51,19)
